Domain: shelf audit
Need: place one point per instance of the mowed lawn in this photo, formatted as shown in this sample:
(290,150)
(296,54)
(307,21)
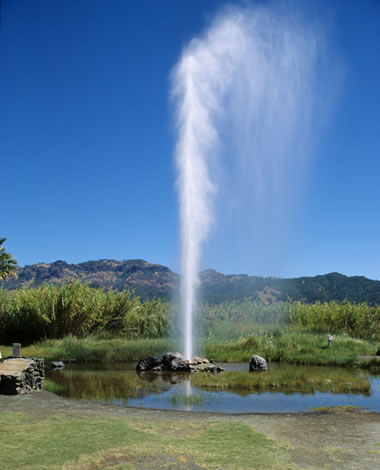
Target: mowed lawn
(86,443)
(41,431)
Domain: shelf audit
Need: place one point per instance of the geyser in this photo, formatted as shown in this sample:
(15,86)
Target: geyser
(245,84)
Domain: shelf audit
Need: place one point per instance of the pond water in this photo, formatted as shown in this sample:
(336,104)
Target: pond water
(284,388)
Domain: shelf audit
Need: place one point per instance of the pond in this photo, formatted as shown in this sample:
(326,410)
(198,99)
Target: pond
(284,388)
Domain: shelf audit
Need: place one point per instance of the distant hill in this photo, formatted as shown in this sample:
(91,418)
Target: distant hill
(148,280)
(154,280)
(334,286)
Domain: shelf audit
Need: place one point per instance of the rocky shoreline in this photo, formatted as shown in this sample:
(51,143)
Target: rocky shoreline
(175,362)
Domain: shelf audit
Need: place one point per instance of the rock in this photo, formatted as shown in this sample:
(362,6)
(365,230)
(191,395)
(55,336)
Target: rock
(149,363)
(179,355)
(57,365)
(258,364)
(174,362)
(21,375)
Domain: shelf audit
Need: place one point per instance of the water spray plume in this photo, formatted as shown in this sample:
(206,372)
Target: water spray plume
(248,75)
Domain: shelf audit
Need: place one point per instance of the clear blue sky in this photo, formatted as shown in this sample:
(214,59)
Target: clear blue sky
(86,138)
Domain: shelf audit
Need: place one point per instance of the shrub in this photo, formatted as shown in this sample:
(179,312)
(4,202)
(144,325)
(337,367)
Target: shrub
(356,320)
(52,311)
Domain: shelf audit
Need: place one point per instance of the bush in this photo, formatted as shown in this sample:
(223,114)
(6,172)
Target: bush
(356,320)
(51,311)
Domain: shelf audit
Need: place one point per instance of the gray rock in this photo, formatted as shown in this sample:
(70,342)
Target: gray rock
(258,364)
(174,362)
(196,360)
(57,365)
(206,367)
(149,363)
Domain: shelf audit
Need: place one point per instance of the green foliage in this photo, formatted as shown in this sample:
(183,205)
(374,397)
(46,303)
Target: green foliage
(240,318)
(51,311)
(98,349)
(95,348)
(8,265)
(295,347)
(356,320)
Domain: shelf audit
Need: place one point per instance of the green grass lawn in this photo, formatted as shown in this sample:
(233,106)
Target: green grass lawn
(61,442)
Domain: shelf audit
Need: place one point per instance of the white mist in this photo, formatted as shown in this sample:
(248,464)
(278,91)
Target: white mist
(249,76)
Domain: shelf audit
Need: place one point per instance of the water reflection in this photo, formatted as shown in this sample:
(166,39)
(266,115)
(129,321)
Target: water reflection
(105,385)
(187,396)
(169,377)
(284,388)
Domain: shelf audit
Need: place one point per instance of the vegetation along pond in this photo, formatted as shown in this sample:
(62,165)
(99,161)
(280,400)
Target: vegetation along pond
(284,388)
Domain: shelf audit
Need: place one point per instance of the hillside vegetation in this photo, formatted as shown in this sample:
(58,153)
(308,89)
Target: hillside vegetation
(153,280)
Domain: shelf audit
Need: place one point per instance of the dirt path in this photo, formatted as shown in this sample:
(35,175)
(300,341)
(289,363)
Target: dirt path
(336,439)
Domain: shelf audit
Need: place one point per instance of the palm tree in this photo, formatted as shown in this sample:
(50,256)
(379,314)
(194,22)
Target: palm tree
(8,265)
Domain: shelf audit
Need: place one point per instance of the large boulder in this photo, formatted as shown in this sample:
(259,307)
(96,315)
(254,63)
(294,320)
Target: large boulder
(174,362)
(149,363)
(258,364)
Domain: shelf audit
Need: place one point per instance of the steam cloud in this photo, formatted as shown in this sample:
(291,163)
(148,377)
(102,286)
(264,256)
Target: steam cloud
(246,83)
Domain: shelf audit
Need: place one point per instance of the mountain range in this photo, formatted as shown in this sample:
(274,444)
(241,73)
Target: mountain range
(154,280)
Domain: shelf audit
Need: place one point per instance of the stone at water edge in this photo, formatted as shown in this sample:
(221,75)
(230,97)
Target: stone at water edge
(57,365)
(149,363)
(258,364)
(205,367)
(174,361)
(196,360)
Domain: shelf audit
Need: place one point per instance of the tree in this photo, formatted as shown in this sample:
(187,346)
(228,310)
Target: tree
(8,265)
